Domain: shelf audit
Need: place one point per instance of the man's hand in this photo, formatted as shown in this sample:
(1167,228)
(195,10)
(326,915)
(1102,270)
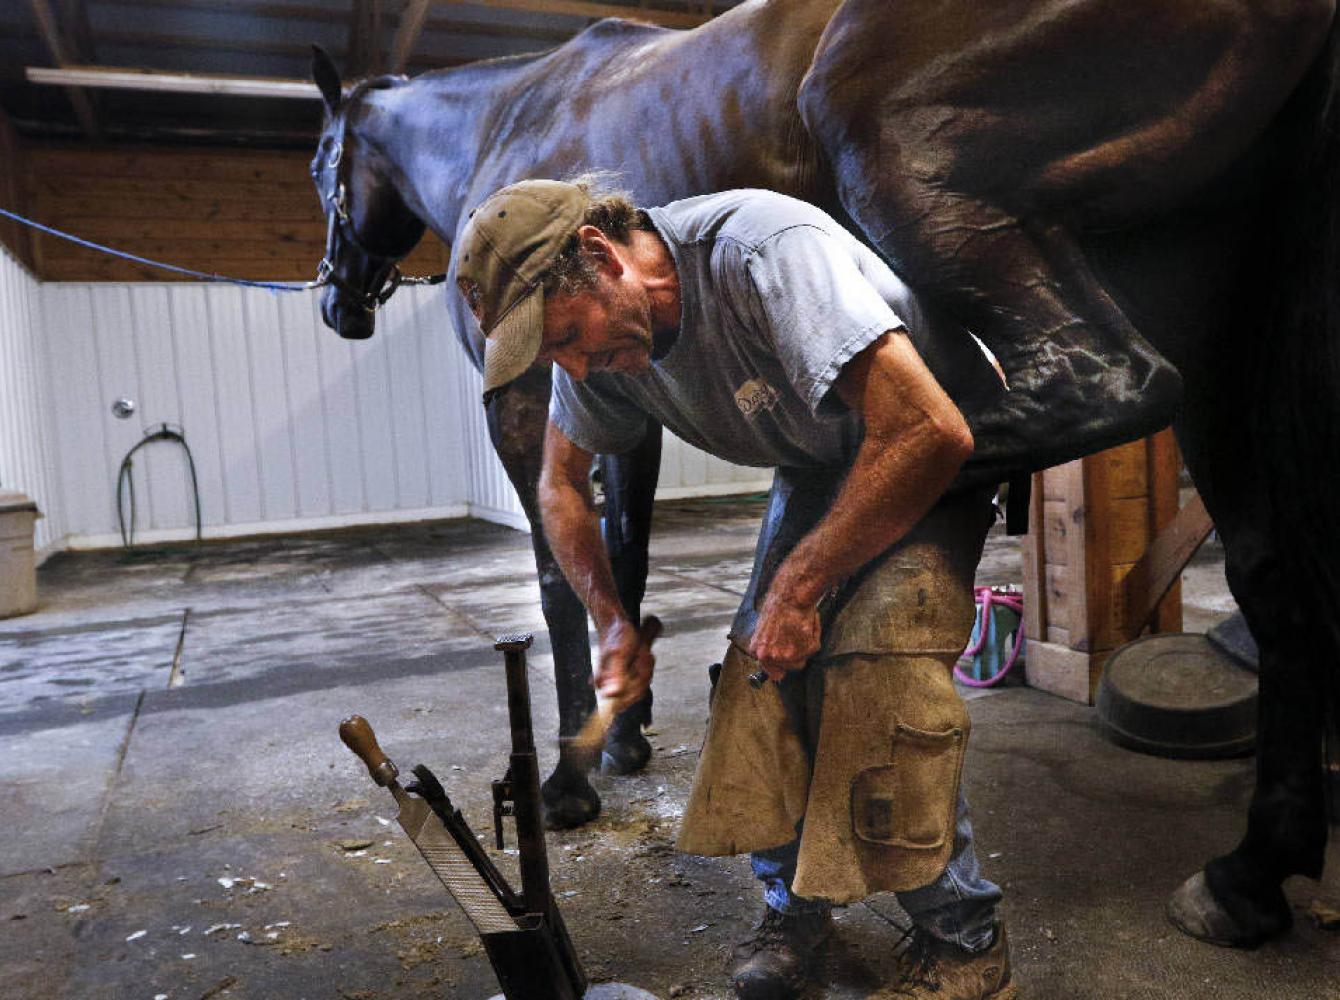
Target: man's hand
(626,662)
(787,634)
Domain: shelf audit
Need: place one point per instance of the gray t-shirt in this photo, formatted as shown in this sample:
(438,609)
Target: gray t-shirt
(776,298)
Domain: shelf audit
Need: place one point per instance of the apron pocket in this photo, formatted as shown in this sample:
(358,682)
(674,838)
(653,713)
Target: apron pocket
(910,802)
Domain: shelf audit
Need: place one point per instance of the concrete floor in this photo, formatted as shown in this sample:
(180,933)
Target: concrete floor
(185,841)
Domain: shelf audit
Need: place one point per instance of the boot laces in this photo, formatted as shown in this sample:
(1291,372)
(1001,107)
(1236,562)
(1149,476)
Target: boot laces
(778,930)
(920,966)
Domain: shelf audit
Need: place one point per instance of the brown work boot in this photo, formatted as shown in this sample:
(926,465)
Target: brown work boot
(774,962)
(934,970)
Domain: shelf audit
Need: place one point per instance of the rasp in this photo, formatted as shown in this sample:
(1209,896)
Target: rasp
(445,855)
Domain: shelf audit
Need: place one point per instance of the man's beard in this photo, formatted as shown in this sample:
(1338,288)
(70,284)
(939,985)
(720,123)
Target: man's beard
(634,317)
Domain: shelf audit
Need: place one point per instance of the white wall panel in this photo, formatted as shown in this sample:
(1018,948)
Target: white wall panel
(28,447)
(687,472)
(237,439)
(444,408)
(290,426)
(72,369)
(339,392)
(166,500)
(306,406)
(189,319)
(275,433)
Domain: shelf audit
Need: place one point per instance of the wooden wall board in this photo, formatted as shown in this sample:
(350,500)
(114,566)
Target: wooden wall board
(13,194)
(245,214)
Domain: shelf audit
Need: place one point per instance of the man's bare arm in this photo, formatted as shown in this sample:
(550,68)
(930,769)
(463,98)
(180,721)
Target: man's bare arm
(573,532)
(572,528)
(915,440)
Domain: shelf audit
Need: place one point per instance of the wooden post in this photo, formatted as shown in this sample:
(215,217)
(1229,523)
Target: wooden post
(1091,522)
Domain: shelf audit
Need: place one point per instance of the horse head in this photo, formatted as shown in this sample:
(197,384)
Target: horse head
(368,226)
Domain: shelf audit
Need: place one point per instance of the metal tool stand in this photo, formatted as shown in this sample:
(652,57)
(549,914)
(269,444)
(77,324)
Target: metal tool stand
(523,933)
(537,959)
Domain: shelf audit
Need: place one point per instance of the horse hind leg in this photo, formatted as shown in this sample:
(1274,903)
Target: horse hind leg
(516,422)
(1081,378)
(1237,900)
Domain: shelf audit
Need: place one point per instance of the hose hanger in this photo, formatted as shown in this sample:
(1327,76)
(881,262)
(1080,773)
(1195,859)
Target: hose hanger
(125,482)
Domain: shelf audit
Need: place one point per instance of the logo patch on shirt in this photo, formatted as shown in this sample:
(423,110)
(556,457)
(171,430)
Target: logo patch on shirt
(756,396)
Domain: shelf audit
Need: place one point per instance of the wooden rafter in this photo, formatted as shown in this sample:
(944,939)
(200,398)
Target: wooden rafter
(365,34)
(583,8)
(690,13)
(74,16)
(62,55)
(115,78)
(332,15)
(157,40)
(411,24)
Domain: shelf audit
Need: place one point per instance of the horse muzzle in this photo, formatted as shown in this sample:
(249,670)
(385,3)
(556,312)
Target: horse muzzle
(349,319)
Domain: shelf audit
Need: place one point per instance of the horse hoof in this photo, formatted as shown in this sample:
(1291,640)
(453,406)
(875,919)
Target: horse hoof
(1194,910)
(568,803)
(626,755)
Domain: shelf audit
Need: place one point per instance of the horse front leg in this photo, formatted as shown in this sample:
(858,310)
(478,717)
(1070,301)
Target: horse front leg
(629,482)
(516,421)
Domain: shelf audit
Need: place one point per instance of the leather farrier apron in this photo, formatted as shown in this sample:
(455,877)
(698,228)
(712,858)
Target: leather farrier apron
(863,750)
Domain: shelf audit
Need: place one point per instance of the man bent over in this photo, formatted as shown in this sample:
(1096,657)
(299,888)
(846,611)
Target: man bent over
(756,328)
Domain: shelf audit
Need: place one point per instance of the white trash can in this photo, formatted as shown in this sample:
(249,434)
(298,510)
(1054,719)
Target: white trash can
(18,568)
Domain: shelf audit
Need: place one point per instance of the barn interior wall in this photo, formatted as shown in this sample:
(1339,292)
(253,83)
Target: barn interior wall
(247,213)
(27,450)
(13,193)
(290,427)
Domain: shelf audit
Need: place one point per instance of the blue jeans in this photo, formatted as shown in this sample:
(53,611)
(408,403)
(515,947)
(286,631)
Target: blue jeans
(958,907)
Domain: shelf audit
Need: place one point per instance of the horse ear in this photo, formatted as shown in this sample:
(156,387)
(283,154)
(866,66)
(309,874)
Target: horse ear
(327,78)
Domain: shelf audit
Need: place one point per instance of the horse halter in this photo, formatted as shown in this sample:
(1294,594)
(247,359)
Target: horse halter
(388,277)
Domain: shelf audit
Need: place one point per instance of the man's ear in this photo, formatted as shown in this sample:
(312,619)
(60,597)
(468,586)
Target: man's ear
(601,249)
(327,78)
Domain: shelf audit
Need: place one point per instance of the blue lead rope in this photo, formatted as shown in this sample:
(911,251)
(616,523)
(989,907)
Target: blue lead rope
(274,286)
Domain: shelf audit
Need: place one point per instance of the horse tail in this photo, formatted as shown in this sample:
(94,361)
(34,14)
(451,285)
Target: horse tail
(1295,359)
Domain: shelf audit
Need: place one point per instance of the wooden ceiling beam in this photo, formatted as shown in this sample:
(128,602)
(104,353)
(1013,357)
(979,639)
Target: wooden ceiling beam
(114,78)
(412,20)
(584,8)
(690,15)
(365,38)
(62,55)
(155,40)
(74,15)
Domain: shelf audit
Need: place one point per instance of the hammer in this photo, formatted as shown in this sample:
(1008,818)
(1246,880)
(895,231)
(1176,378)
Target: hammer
(592,736)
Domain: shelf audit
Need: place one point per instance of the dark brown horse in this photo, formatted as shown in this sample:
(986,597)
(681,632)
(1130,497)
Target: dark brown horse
(1130,202)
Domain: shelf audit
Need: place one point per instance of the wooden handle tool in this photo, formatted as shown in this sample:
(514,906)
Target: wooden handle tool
(359,737)
(592,736)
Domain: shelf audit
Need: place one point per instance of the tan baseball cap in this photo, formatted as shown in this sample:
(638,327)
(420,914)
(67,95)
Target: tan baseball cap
(503,252)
